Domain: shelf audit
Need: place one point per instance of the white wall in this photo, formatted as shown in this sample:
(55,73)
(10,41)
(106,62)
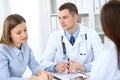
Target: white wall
(3,13)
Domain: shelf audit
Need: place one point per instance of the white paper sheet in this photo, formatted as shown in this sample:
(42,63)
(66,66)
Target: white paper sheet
(70,76)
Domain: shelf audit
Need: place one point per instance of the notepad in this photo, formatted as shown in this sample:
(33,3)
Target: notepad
(70,76)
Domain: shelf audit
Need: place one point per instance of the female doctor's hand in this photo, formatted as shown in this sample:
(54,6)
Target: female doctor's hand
(44,73)
(43,76)
(61,67)
(74,65)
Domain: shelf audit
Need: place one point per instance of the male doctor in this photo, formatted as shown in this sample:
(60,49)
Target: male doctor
(77,43)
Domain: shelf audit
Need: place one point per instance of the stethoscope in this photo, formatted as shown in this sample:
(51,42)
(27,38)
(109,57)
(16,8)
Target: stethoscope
(65,56)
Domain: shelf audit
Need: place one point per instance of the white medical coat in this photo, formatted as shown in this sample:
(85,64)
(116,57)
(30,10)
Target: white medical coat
(105,67)
(83,51)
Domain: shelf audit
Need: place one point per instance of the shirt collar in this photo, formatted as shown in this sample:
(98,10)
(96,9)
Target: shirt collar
(75,34)
(16,50)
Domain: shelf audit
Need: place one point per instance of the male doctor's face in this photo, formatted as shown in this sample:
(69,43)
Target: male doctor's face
(67,20)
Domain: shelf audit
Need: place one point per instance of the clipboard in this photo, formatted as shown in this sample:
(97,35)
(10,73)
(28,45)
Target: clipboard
(70,76)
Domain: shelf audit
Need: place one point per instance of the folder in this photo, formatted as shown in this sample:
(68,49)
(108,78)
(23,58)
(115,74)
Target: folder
(96,6)
(66,76)
(53,23)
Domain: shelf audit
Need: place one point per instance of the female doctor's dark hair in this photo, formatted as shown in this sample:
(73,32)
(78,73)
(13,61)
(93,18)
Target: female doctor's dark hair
(110,20)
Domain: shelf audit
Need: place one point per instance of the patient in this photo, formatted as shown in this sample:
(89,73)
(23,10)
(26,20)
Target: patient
(15,53)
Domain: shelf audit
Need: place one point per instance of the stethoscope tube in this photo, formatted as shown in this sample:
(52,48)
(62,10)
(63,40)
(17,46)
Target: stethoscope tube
(63,45)
(64,49)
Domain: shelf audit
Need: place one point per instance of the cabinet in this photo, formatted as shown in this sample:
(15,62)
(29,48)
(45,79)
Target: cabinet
(89,13)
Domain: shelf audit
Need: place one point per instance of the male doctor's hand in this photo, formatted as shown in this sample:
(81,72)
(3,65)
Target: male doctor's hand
(74,65)
(61,67)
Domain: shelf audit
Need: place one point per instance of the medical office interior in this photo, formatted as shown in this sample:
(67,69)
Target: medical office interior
(42,20)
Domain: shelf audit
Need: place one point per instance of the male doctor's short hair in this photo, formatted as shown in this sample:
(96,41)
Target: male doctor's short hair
(70,6)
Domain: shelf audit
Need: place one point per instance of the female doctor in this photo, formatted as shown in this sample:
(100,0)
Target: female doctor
(107,66)
(75,44)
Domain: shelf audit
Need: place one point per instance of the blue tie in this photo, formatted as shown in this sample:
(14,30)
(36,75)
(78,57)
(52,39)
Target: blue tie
(72,40)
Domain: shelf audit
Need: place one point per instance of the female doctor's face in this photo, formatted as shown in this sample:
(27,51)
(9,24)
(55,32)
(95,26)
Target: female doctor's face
(67,20)
(19,34)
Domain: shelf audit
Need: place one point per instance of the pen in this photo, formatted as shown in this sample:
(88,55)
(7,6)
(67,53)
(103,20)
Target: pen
(64,52)
(68,64)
